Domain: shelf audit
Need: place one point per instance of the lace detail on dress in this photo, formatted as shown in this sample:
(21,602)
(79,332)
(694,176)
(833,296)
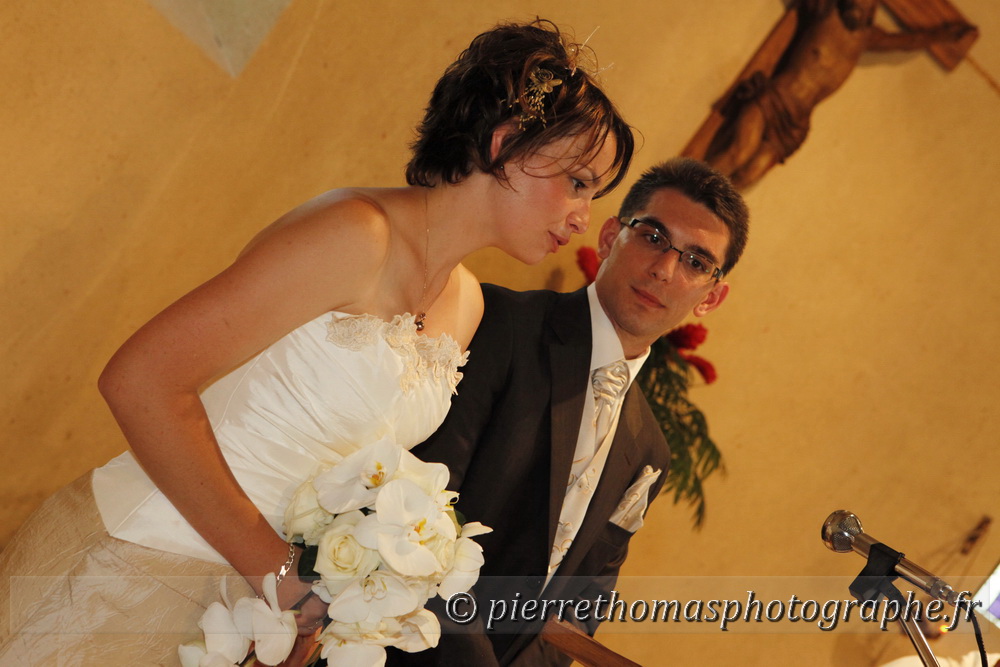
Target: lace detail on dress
(424,358)
(354,332)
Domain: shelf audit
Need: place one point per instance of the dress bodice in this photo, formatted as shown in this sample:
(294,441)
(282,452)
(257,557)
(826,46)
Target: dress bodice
(322,391)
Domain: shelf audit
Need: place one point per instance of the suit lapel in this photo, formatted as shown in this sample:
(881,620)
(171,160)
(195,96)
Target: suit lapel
(569,359)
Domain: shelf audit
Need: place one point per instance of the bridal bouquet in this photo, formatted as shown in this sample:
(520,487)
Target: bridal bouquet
(385,538)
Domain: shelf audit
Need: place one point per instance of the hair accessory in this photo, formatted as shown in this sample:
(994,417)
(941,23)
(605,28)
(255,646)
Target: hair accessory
(540,82)
(574,51)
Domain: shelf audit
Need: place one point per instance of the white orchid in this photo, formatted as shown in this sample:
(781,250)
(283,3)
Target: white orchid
(340,559)
(358,644)
(227,639)
(379,595)
(355,482)
(273,630)
(463,572)
(446,500)
(405,519)
(418,631)
(432,478)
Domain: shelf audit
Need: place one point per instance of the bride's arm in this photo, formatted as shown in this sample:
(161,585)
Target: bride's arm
(319,258)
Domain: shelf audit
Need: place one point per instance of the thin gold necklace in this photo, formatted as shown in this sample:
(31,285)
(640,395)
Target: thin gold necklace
(422,315)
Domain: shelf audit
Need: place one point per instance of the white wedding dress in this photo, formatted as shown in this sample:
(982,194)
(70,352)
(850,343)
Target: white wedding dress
(123,580)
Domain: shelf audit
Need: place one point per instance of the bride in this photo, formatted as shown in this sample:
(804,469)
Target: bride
(341,323)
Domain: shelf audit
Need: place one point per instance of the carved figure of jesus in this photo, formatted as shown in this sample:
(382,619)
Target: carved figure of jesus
(768,117)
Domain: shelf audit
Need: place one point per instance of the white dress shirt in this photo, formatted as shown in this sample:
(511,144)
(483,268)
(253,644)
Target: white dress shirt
(589,457)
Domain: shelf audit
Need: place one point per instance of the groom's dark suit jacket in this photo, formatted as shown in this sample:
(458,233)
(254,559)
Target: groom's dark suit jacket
(509,440)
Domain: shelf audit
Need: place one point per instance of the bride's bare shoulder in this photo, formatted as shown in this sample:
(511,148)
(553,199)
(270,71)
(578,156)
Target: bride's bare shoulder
(344,215)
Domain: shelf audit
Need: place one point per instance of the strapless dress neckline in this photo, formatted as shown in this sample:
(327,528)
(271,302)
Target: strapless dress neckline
(319,393)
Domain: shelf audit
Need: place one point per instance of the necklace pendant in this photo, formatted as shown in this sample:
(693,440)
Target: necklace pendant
(419,322)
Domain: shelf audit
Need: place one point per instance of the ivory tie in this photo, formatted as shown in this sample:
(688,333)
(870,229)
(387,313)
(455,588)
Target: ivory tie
(609,385)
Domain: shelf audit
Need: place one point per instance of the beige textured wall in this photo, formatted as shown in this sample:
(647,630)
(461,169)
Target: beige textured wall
(856,353)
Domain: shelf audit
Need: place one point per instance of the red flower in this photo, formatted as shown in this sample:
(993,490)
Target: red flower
(589,262)
(688,336)
(703,366)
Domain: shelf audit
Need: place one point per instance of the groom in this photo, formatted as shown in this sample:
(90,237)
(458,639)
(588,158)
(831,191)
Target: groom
(560,465)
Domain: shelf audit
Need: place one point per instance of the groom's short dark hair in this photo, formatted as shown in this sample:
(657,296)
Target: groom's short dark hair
(701,184)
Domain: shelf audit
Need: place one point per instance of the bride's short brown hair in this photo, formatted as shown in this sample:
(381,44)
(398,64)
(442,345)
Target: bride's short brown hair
(495,81)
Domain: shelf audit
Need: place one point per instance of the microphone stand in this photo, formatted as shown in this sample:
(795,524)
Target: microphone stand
(875,580)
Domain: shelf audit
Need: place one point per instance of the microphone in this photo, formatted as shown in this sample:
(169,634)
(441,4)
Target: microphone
(842,532)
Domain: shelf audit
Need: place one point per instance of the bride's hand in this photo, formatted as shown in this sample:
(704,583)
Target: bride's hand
(312,613)
(310,617)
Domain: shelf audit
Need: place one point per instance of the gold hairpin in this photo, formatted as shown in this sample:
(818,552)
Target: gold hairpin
(540,82)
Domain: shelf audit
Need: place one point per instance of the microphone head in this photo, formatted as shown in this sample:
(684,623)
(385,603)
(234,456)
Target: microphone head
(840,529)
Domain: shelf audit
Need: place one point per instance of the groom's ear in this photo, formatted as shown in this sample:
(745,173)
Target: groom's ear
(713,299)
(606,237)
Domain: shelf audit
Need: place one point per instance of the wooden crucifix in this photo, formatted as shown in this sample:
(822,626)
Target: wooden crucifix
(764,116)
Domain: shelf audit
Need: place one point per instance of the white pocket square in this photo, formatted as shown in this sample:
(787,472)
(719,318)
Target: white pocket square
(632,506)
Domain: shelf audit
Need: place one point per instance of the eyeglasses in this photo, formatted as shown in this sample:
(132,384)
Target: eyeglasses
(651,237)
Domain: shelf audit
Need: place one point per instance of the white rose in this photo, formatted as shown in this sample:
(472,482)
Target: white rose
(443,549)
(341,560)
(304,517)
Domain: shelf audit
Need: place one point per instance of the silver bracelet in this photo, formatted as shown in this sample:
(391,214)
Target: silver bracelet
(286,567)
